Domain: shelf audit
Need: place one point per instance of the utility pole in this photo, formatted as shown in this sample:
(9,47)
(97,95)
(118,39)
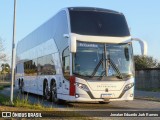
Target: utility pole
(13,52)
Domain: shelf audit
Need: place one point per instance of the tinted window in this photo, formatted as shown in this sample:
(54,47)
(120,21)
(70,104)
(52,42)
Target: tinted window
(30,67)
(46,65)
(41,62)
(49,67)
(66,63)
(98,23)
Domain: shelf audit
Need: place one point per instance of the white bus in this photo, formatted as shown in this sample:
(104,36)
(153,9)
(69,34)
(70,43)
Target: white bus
(80,54)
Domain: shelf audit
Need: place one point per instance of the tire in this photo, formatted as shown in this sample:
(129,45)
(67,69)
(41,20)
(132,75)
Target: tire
(21,86)
(46,92)
(54,94)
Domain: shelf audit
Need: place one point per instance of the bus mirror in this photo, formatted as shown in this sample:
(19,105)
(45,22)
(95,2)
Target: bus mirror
(143,45)
(66,36)
(126,52)
(73,44)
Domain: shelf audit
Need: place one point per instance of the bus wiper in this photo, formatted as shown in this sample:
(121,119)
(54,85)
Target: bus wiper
(112,64)
(96,68)
(115,68)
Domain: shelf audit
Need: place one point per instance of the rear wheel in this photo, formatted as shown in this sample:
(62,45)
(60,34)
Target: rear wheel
(46,92)
(21,86)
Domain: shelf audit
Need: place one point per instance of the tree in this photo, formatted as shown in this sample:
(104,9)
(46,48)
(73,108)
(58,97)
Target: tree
(143,62)
(158,66)
(5,68)
(2,54)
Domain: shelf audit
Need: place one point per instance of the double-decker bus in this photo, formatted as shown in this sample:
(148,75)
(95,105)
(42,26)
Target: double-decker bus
(80,54)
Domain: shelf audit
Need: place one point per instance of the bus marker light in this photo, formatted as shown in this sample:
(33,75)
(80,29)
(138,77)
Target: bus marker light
(72,86)
(77,95)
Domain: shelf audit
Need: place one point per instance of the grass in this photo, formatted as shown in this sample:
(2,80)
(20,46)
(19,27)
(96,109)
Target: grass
(4,84)
(23,103)
(4,100)
(1,87)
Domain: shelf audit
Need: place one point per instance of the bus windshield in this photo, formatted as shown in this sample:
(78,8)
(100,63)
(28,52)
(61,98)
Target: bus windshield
(100,60)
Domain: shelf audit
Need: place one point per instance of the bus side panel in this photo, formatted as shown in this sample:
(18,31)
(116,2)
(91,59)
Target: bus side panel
(46,40)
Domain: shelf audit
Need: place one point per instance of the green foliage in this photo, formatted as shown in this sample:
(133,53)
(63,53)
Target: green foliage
(4,85)
(4,100)
(5,68)
(143,62)
(1,87)
(23,102)
(158,66)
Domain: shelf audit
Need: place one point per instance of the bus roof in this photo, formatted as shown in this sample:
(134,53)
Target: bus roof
(92,9)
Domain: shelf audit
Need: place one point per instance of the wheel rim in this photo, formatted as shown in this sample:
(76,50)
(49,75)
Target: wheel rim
(54,92)
(46,91)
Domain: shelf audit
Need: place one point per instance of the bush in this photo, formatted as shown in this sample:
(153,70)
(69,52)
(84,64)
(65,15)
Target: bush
(143,62)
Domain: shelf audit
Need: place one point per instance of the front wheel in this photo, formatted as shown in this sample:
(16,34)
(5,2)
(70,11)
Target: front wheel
(54,94)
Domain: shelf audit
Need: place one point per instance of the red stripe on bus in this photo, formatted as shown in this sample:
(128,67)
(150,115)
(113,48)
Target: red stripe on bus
(72,86)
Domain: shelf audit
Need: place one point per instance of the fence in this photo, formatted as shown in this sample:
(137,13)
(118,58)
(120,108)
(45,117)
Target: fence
(148,79)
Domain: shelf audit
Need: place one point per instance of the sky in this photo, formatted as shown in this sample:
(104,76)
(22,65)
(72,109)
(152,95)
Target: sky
(143,18)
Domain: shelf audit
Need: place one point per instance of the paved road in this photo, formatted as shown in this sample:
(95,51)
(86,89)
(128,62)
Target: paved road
(136,105)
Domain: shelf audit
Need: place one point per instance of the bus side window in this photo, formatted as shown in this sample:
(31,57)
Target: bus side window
(66,63)
(40,65)
(49,65)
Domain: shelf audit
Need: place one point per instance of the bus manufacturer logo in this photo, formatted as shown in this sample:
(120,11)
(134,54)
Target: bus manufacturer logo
(106,90)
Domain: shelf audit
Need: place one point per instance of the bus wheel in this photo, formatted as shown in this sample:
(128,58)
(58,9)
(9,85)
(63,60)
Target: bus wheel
(46,92)
(54,93)
(22,86)
(19,86)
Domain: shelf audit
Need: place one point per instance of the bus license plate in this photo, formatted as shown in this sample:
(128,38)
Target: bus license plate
(109,95)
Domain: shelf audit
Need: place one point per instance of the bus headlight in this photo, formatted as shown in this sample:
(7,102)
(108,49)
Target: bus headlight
(128,86)
(82,86)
